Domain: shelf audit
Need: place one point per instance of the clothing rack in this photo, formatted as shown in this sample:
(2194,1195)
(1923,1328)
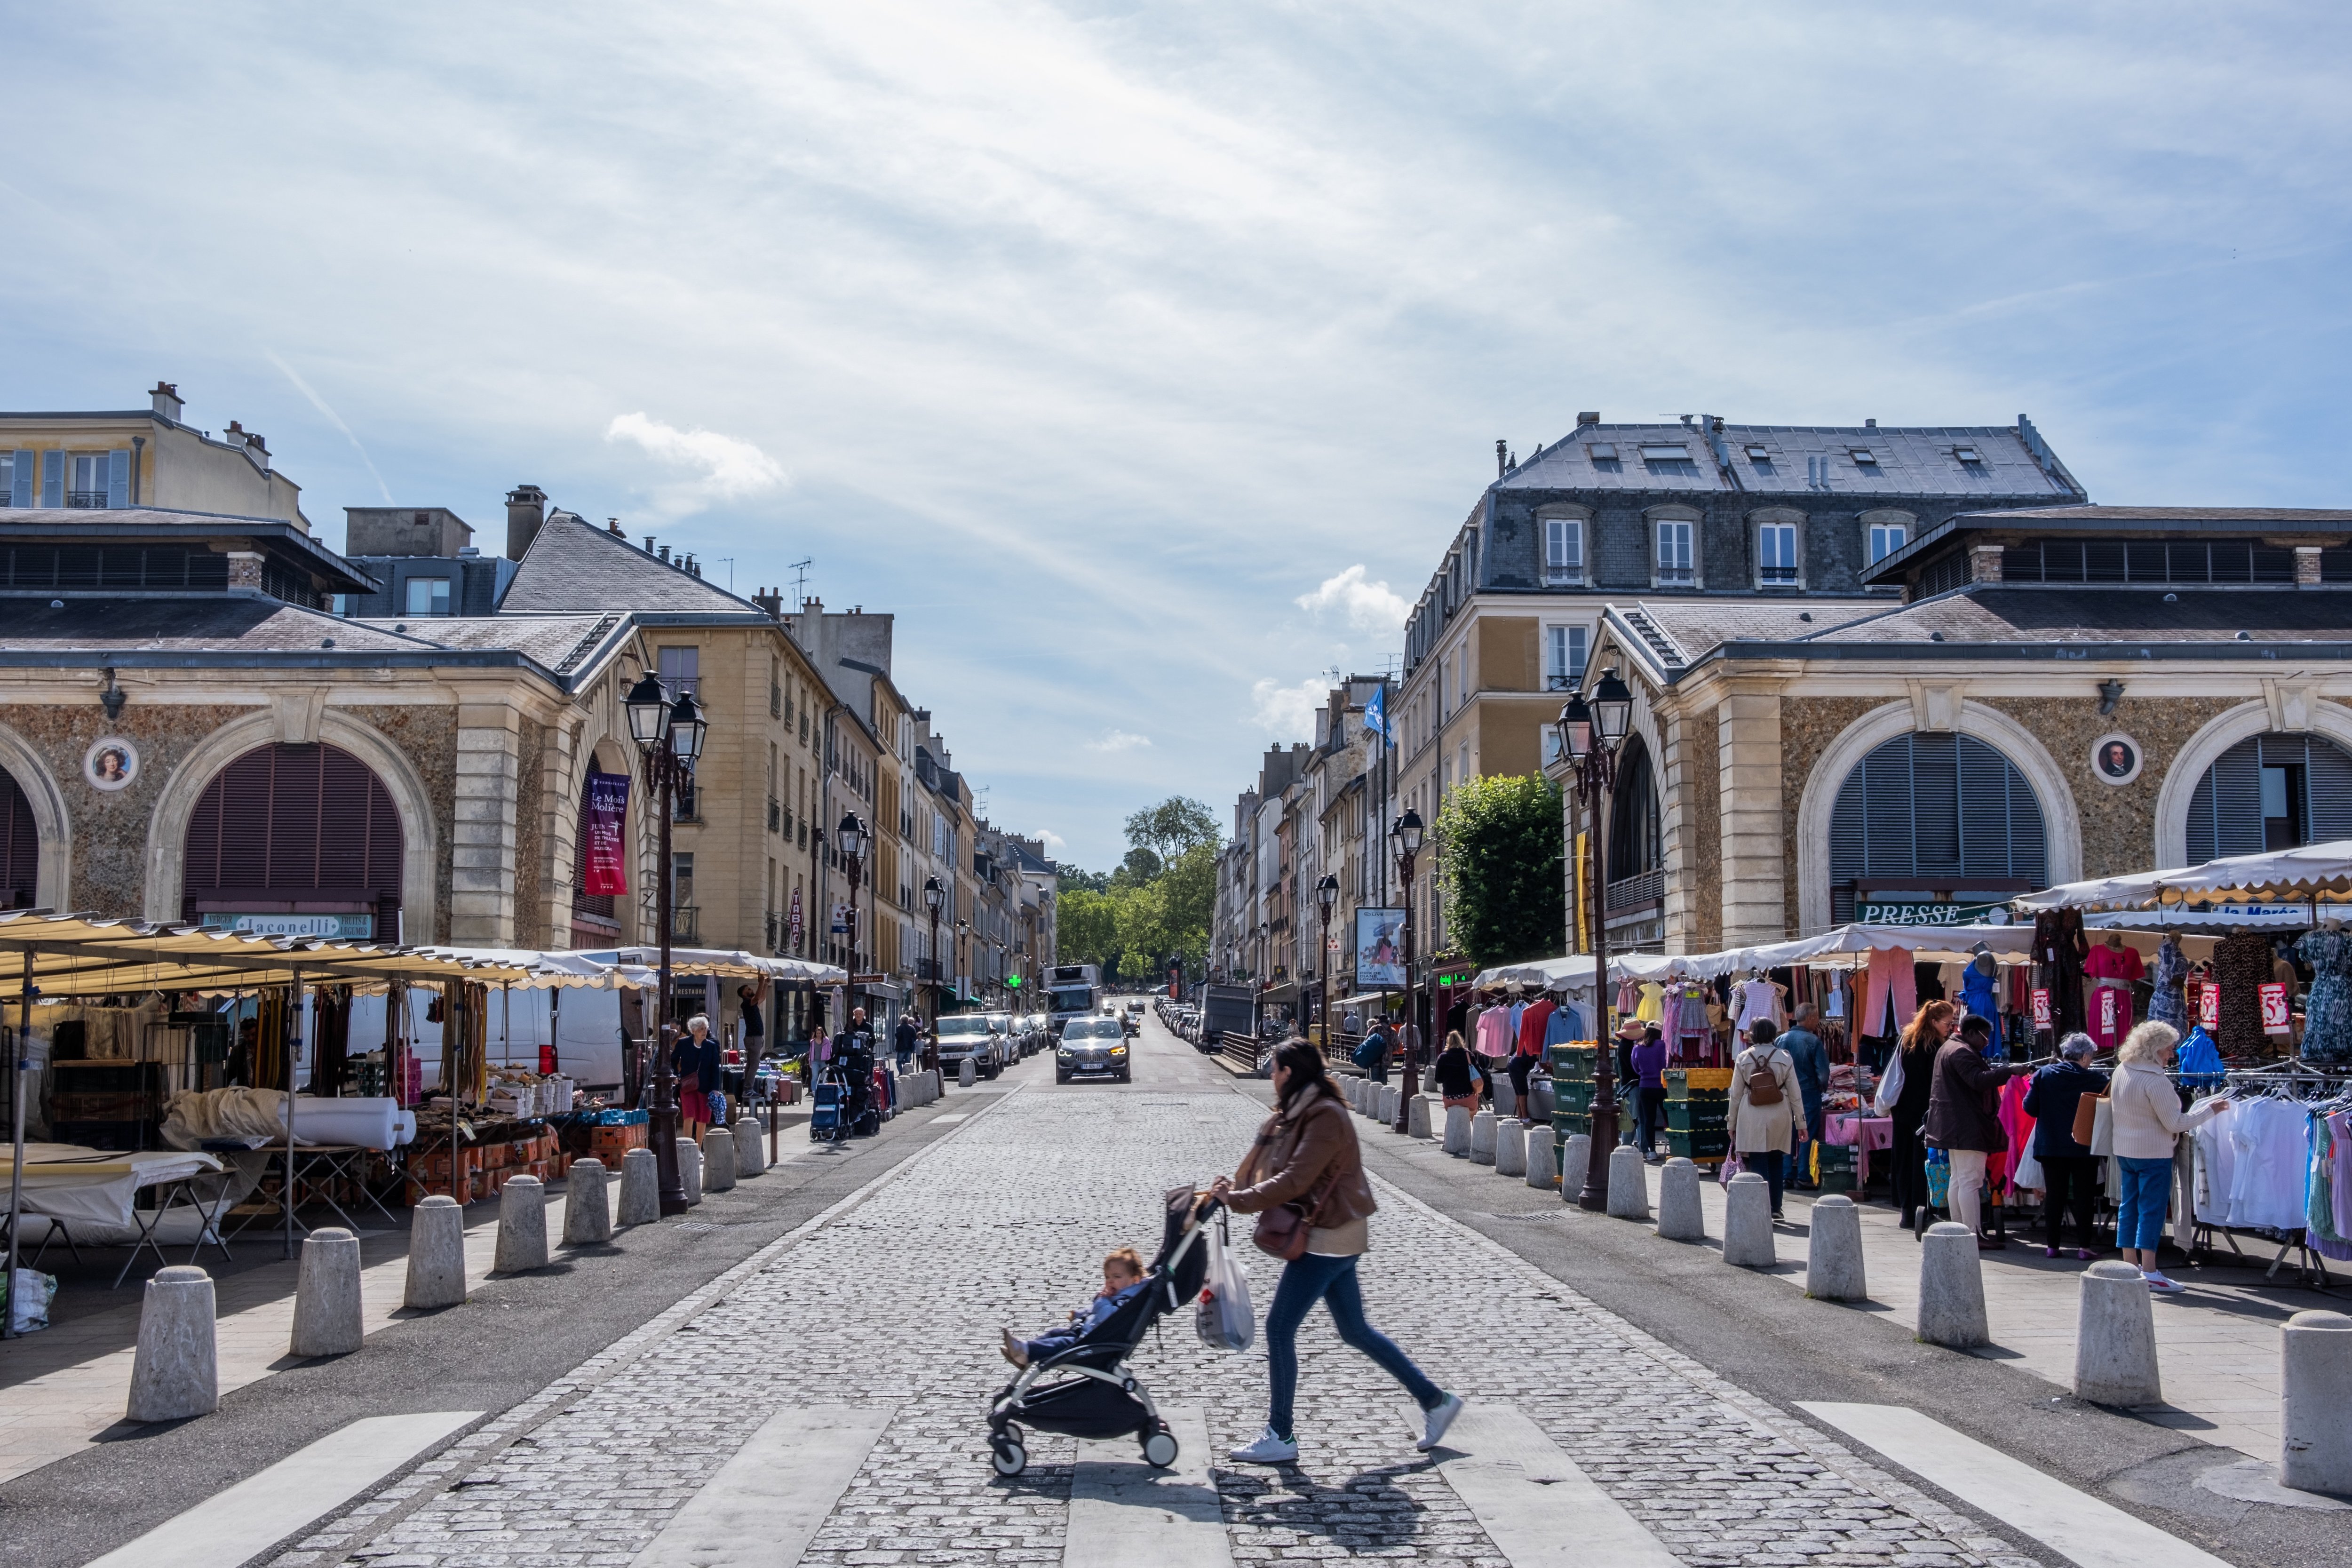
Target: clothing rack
(2311,1266)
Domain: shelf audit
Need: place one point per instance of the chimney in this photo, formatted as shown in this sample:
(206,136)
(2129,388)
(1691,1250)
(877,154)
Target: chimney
(612,527)
(1584,419)
(1501,459)
(526,512)
(772,600)
(166,400)
(663,553)
(233,435)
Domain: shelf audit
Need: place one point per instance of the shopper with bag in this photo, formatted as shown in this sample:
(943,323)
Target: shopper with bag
(1763,1108)
(1912,1072)
(2054,1097)
(2147,1120)
(1305,1177)
(1962,1102)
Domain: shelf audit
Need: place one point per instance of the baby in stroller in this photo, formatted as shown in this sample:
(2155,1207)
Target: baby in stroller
(1122,1277)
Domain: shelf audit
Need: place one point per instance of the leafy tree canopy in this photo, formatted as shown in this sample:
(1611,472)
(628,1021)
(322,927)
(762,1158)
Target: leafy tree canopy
(1500,870)
(1155,906)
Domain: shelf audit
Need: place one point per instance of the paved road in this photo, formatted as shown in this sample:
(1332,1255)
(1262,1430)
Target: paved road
(838,1326)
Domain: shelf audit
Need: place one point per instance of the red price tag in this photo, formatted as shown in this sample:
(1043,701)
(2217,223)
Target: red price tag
(2208,1005)
(2108,1000)
(2274,1017)
(2041,1009)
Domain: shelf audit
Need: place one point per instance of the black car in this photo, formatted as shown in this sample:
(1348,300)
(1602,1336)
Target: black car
(1092,1048)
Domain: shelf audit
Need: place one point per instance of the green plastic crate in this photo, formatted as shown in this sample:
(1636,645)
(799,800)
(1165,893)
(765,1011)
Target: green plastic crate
(1682,1116)
(1711,1145)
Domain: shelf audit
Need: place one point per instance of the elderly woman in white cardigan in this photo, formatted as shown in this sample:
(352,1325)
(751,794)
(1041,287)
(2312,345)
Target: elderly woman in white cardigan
(1763,1110)
(2148,1118)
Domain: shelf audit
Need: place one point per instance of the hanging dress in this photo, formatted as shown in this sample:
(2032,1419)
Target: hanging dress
(2107,1004)
(2328,1014)
(2241,967)
(2059,947)
(1979,993)
(2171,967)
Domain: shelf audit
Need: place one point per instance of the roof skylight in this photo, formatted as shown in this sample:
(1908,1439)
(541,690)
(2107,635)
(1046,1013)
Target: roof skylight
(1603,451)
(1759,454)
(1658,454)
(1866,458)
(1967,454)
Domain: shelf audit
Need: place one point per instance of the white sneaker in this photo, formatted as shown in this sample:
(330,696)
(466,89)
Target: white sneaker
(1269,1449)
(2162,1286)
(1441,1416)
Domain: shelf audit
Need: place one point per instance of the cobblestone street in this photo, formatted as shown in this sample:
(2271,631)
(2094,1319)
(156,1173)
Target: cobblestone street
(894,1301)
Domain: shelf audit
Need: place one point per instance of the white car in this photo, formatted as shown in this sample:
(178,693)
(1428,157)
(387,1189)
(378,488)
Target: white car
(977,1037)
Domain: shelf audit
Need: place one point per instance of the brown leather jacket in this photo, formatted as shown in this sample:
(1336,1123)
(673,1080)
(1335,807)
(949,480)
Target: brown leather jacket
(1291,1157)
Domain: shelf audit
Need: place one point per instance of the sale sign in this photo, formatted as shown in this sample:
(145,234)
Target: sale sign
(2274,1013)
(2208,1005)
(2108,1022)
(2041,1009)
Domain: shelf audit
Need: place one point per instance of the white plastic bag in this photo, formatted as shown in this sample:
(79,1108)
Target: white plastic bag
(1224,1318)
(28,1303)
(1890,1088)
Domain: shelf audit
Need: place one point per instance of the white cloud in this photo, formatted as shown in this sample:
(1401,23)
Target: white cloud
(1368,606)
(1054,842)
(1118,741)
(732,469)
(1287,712)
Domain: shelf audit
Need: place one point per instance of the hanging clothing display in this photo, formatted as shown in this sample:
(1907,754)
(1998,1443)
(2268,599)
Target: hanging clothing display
(2270,1143)
(1890,992)
(2327,1016)
(2241,967)
(1533,1023)
(1833,1006)
(2014,1121)
(1492,1031)
(2059,948)
(2107,1001)
(2325,1217)
(1567,1027)
(1758,999)
(1979,984)
(2165,1005)
(1650,1008)
(2199,1062)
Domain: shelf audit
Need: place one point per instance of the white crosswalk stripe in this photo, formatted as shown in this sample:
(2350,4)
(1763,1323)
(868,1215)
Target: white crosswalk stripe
(305,1485)
(762,1507)
(2073,1523)
(1126,1514)
(1540,1510)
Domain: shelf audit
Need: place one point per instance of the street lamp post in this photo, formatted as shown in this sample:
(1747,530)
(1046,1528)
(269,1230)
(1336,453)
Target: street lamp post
(1327,893)
(1407,834)
(933,897)
(850,839)
(1590,733)
(669,738)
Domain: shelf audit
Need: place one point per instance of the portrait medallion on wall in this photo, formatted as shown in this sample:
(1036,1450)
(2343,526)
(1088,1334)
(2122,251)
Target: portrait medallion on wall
(111,764)
(2115,759)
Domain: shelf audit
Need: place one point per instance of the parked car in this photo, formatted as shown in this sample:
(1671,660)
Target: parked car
(973,1036)
(1092,1048)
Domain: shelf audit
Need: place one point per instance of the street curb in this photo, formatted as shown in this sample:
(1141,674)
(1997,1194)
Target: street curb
(409,1489)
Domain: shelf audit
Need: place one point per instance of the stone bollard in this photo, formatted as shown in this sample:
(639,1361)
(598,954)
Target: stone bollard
(2115,1338)
(1747,1221)
(587,1209)
(1629,1184)
(1458,1131)
(967,1075)
(1952,1289)
(1575,1162)
(752,1149)
(689,1170)
(1417,1116)
(436,1254)
(1833,1271)
(175,1371)
(1506,1099)
(1482,1138)
(718,1160)
(1681,1216)
(1386,1115)
(1542,1167)
(522,1226)
(2315,1402)
(640,1188)
(327,1319)
(1510,1147)
(1547,1103)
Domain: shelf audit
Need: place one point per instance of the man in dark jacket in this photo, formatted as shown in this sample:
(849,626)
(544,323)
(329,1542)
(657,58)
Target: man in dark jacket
(1961,1117)
(1373,1056)
(2068,1167)
(904,1038)
(1813,1063)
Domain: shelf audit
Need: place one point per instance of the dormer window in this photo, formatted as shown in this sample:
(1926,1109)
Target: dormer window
(1563,550)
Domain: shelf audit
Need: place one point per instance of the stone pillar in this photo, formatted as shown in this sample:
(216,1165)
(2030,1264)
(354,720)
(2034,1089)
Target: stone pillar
(1575,1158)
(1540,1157)
(1482,1138)
(587,1206)
(2115,1338)
(1457,1131)
(1510,1147)
(327,1320)
(1952,1289)
(1747,1221)
(2315,1402)
(1984,562)
(689,1170)
(1629,1184)
(482,836)
(1681,1214)
(640,1188)
(2307,566)
(718,1160)
(245,569)
(1754,830)
(1834,1264)
(522,1225)
(436,1253)
(175,1370)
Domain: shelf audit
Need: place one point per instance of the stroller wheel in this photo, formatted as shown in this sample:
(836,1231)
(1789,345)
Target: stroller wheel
(1160,1449)
(1009,1457)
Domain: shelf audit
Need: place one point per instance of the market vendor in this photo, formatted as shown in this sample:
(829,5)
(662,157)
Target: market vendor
(696,1060)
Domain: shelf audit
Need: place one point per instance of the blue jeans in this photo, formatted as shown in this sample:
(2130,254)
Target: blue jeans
(1772,1165)
(2139,1217)
(1332,1280)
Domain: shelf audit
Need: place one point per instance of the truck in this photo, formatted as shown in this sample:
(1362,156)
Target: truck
(1224,1007)
(1072,991)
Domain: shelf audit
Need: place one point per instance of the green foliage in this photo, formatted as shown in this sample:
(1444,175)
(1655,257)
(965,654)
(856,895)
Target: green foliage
(1156,906)
(1086,927)
(1501,870)
(1169,828)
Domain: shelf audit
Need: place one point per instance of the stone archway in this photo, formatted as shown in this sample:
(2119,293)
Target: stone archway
(53,871)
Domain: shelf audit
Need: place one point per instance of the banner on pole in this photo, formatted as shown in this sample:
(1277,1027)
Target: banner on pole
(604,856)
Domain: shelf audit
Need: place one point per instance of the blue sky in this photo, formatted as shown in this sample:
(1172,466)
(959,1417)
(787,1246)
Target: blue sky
(1142,358)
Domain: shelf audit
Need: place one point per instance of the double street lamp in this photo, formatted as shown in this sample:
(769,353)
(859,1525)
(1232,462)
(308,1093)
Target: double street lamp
(669,738)
(1327,893)
(1590,733)
(934,896)
(850,839)
(1406,837)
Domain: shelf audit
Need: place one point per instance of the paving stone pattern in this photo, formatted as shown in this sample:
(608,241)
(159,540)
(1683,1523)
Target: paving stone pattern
(897,1298)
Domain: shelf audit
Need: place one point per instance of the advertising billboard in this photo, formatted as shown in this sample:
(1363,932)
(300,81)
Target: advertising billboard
(1379,949)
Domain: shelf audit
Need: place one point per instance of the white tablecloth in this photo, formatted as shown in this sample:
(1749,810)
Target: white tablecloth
(93,1189)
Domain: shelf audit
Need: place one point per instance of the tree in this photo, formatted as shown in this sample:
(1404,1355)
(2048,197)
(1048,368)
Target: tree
(1500,870)
(1169,828)
(1140,866)
(1086,927)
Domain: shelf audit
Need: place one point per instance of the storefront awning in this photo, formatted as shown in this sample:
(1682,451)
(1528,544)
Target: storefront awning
(717,962)
(1573,972)
(2315,874)
(1849,947)
(86,955)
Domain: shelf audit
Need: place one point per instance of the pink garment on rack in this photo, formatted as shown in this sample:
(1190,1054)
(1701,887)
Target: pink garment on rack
(2107,1023)
(2015,1123)
(1495,1033)
(1890,982)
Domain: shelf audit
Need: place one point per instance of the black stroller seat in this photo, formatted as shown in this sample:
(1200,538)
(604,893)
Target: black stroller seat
(1087,1390)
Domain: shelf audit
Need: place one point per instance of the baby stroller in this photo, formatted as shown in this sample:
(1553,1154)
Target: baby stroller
(1087,1390)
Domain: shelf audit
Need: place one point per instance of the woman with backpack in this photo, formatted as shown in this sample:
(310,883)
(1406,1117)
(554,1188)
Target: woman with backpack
(1763,1108)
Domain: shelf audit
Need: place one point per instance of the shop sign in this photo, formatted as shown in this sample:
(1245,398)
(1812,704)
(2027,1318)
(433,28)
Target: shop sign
(796,919)
(2274,1013)
(346,928)
(2208,1005)
(1928,914)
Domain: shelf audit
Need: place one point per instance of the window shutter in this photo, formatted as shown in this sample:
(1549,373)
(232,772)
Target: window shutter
(1847,844)
(117,479)
(2237,779)
(2328,778)
(2200,845)
(1886,810)
(24,488)
(20,846)
(53,479)
(1934,806)
(1985,804)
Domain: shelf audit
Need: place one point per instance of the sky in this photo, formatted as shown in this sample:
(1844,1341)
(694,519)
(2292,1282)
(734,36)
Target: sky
(1141,360)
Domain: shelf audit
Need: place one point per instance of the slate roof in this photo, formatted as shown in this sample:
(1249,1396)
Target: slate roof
(575,565)
(561,643)
(1991,613)
(99,525)
(225,623)
(1910,461)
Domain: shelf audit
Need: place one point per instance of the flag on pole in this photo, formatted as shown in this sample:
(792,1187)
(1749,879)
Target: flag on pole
(1376,712)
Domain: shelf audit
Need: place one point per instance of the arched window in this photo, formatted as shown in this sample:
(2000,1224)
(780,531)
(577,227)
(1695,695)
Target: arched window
(2271,791)
(1935,815)
(1635,845)
(288,832)
(20,847)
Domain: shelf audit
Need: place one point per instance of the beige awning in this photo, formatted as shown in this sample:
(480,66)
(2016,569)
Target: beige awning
(86,955)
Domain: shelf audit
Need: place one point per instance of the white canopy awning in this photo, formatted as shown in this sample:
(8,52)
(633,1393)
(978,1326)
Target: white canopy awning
(1573,972)
(1850,946)
(2316,873)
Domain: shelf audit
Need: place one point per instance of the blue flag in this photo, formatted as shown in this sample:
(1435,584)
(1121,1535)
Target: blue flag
(1376,714)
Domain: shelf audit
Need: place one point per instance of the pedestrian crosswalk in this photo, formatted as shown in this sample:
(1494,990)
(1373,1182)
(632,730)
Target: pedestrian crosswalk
(1538,1507)
(762,1507)
(1118,1504)
(2077,1526)
(300,1489)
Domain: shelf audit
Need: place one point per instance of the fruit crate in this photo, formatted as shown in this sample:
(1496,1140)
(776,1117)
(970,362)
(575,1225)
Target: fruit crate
(1571,1095)
(1712,1144)
(1573,1063)
(1695,1083)
(1688,1116)
(1564,1122)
